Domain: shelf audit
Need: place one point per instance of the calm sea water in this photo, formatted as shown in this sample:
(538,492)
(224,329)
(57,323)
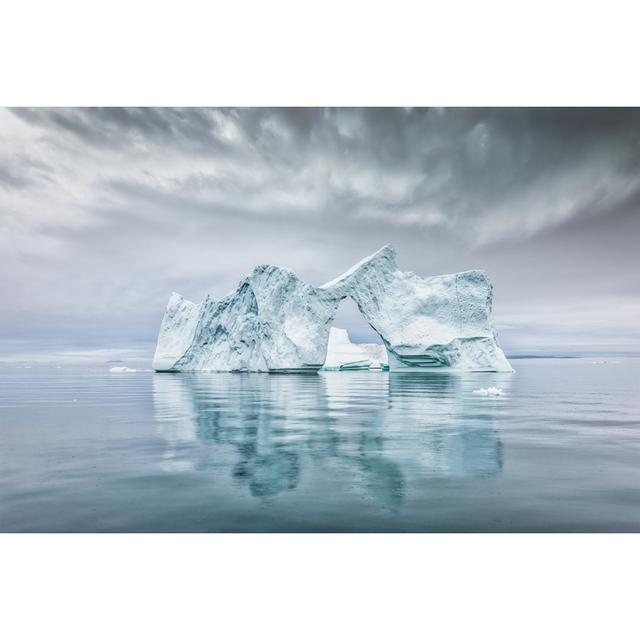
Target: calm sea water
(88,450)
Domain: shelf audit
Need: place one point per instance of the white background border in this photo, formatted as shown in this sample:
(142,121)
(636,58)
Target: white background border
(335,52)
(319,586)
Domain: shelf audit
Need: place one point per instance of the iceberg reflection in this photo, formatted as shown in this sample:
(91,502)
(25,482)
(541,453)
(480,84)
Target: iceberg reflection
(368,433)
(458,437)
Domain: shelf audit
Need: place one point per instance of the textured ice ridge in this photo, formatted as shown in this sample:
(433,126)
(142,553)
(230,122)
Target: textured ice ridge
(276,322)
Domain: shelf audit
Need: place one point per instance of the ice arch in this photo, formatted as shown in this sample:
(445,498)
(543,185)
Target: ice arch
(276,322)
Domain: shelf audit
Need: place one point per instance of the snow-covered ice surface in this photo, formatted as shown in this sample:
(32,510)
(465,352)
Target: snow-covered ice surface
(122,370)
(274,321)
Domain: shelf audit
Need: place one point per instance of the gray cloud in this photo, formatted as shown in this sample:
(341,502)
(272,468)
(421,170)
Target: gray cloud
(105,211)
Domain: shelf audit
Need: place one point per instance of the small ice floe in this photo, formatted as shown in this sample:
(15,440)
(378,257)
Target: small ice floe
(490,391)
(121,370)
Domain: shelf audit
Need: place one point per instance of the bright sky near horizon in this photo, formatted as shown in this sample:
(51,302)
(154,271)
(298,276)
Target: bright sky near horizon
(106,211)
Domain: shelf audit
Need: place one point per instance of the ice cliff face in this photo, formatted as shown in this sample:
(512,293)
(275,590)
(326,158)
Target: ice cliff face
(274,321)
(176,332)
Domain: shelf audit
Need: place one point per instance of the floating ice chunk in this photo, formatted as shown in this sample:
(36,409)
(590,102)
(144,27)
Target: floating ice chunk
(343,355)
(121,370)
(490,391)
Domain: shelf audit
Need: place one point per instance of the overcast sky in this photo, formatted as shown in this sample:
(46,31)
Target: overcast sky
(104,212)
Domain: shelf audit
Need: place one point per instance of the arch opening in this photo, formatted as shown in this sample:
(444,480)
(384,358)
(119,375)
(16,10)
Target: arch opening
(350,318)
(353,344)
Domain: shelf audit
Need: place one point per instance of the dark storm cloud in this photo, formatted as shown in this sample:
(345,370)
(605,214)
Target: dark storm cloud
(104,211)
(123,127)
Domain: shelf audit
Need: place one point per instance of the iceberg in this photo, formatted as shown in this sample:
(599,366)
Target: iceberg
(343,355)
(275,322)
